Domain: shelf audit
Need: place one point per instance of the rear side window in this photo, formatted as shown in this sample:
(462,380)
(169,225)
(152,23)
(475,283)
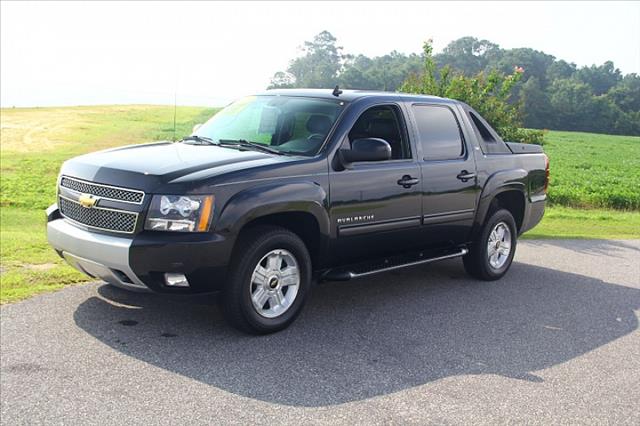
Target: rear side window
(485,134)
(439,132)
(489,140)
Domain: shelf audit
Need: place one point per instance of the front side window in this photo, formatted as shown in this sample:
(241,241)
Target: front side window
(294,125)
(383,122)
(439,132)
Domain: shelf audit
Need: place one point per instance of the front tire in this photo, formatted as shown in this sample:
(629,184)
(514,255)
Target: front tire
(269,280)
(491,254)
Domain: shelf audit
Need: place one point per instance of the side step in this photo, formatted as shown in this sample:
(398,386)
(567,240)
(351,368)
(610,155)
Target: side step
(363,269)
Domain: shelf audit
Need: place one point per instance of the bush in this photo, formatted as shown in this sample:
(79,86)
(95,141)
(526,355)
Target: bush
(518,134)
(489,94)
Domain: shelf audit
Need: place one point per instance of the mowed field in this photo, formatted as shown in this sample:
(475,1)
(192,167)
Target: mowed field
(35,143)
(594,185)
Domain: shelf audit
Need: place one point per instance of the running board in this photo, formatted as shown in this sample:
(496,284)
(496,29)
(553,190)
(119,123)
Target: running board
(364,269)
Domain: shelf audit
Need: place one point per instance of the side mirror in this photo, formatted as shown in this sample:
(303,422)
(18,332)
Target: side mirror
(366,149)
(196,127)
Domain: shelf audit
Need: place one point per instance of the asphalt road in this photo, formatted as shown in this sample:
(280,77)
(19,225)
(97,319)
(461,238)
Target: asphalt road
(556,341)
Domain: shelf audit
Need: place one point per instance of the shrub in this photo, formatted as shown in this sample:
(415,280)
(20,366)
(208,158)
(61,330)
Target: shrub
(489,94)
(518,134)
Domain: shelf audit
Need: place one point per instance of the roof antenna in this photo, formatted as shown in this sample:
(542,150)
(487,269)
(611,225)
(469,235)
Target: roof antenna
(175,107)
(336,92)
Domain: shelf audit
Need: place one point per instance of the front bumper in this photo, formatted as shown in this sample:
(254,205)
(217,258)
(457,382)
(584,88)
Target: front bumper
(100,256)
(139,262)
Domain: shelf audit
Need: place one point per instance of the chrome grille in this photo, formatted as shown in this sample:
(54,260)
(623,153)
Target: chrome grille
(100,218)
(103,191)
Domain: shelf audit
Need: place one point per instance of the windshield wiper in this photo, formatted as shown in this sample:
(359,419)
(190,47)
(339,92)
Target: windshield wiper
(232,143)
(251,145)
(200,139)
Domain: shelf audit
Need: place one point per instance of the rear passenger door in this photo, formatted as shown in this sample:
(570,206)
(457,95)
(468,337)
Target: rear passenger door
(448,169)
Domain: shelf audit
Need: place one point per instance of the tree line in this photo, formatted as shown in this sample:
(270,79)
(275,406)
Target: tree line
(550,94)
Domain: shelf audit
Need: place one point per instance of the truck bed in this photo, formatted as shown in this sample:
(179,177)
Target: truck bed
(524,148)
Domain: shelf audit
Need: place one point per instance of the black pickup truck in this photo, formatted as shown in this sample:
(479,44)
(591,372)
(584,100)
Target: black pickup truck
(292,187)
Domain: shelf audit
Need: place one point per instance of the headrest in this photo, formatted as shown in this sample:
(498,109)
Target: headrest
(319,124)
(382,128)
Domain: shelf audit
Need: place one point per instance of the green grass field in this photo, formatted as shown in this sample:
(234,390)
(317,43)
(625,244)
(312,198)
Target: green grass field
(594,171)
(35,142)
(588,170)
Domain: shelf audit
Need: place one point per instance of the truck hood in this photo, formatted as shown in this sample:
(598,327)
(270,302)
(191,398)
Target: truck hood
(148,166)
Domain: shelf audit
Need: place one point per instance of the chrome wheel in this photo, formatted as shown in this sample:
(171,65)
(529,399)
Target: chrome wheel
(274,283)
(499,245)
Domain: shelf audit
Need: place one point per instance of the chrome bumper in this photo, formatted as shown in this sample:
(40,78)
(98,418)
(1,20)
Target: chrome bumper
(100,256)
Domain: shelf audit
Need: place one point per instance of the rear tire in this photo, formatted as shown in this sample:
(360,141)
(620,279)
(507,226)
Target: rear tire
(269,280)
(491,253)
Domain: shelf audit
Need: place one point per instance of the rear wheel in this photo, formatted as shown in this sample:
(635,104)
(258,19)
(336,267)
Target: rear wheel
(270,278)
(491,254)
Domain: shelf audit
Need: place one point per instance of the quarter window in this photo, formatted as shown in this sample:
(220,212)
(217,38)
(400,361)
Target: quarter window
(439,132)
(485,134)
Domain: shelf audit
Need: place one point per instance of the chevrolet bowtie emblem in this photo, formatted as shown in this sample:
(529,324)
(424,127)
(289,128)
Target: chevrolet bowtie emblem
(87,200)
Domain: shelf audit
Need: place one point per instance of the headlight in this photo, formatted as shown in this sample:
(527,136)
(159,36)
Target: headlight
(184,213)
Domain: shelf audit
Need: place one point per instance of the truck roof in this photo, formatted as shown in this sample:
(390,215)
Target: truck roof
(351,95)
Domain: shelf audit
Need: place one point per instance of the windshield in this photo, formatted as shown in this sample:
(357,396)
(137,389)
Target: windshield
(292,125)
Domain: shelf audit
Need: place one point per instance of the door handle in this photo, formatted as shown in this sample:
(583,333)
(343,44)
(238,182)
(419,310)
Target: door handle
(465,175)
(407,181)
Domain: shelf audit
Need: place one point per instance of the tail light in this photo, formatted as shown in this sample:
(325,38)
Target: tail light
(546,173)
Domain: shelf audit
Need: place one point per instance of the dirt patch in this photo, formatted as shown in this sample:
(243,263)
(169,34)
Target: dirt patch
(38,130)
(40,266)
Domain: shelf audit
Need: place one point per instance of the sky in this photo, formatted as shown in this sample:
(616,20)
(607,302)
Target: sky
(201,53)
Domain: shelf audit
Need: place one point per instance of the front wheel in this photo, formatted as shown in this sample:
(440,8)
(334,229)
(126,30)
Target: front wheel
(270,278)
(491,254)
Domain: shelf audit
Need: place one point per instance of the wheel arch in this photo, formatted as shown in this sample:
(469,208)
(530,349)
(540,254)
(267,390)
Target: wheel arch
(299,207)
(507,189)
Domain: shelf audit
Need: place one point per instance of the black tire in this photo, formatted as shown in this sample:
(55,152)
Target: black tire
(252,246)
(476,262)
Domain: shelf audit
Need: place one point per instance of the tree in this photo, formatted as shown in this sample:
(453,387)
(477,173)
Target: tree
(560,69)
(626,94)
(380,73)
(283,80)
(552,93)
(318,68)
(601,78)
(535,105)
(469,55)
(487,93)
(577,108)
(535,62)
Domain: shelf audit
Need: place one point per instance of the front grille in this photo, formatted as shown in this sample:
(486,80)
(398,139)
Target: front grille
(96,217)
(103,191)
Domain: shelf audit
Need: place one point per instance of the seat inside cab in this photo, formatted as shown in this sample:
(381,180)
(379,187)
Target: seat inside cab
(382,122)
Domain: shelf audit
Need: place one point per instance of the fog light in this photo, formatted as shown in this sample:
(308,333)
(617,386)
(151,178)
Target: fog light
(176,280)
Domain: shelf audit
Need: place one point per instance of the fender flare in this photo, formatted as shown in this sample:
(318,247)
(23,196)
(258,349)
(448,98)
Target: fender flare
(497,183)
(262,200)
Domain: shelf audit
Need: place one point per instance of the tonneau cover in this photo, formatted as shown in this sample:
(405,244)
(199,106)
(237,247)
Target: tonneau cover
(524,148)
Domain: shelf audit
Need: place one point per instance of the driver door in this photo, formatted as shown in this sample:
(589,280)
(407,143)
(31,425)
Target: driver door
(376,207)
